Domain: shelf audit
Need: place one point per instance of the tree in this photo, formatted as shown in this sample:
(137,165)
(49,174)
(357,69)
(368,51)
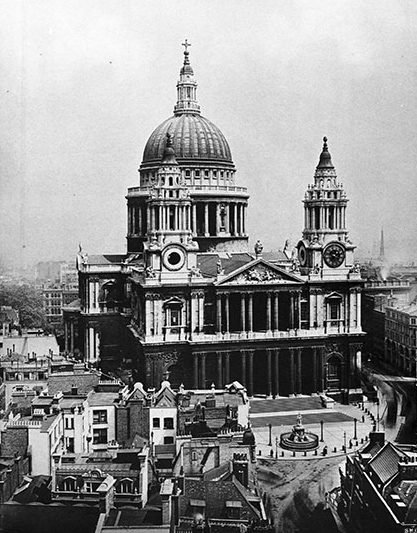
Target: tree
(28,301)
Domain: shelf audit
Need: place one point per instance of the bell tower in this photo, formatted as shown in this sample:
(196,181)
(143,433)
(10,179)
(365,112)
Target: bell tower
(325,248)
(169,246)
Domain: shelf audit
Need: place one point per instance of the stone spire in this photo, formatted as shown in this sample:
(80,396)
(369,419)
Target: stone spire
(186,87)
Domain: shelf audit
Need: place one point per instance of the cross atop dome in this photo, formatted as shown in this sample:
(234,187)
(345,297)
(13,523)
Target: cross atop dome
(186,44)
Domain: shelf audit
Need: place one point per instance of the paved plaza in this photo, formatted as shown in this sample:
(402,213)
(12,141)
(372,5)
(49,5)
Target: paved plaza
(338,425)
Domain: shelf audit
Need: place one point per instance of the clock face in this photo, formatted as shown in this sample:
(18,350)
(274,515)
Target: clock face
(302,255)
(173,258)
(334,255)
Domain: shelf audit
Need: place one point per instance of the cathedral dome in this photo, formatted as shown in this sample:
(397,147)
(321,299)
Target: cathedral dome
(194,138)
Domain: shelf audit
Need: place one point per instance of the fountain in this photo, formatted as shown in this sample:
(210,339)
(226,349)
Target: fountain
(299,440)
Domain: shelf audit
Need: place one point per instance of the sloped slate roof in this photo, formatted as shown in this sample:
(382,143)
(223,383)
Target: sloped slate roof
(384,464)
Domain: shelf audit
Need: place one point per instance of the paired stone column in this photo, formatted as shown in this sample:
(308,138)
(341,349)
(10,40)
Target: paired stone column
(226,368)
(276,311)
(206,220)
(250,380)
(276,371)
(203,369)
(269,371)
(250,312)
(219,370)
(219,313)
(315,388)
(268,312)
(243,312)
(227,317)
(195,365)
(298,375)
(291,368)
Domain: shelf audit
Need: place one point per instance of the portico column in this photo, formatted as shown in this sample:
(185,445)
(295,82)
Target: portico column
(321,369)
(268,312)
(219,370)
(276,371)
(250,384)
(243,312)
(206,219)
(195,361)
(217,219)
(250,312)
(241,219)
(66,335)
(227,221)
(314,369)
(276,312)
(298,376)
(243,368)
(269,371)
(219,312)
(235,217)
(226,368)
(291,310)
(71,336)
(227,312)
(203,370)
(194,207)
(291,350)
(201,312)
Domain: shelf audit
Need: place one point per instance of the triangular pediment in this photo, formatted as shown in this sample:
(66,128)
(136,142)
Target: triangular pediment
(259,272)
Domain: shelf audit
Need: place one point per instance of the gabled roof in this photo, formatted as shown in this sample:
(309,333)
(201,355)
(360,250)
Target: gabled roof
(259,272)
(384,465)
(207,263)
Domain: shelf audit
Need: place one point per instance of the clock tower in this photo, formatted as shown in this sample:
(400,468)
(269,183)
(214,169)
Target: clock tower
(325,248)
(170,249)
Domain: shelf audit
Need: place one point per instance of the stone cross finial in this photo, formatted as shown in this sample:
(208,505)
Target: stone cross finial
(186,44)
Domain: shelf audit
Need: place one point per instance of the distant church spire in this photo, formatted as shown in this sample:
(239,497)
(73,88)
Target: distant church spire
(186,87)
(382,247)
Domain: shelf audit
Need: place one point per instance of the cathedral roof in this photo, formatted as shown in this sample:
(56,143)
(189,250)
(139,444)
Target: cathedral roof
(195,139)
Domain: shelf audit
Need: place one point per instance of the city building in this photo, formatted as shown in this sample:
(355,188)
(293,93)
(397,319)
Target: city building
(189,299)
(379,487)
(401,338)
(25,362)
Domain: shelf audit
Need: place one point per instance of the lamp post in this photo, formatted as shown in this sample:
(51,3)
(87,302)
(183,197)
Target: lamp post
(377,414)
(355,434)
(344,441)
(321,431)
(270,434)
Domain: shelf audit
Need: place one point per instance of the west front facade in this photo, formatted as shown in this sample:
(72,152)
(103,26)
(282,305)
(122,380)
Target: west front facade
(190,302)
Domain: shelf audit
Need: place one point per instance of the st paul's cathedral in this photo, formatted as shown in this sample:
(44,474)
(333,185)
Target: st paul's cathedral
(189,300)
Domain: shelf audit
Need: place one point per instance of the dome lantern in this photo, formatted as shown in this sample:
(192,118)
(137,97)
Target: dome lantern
(186,87)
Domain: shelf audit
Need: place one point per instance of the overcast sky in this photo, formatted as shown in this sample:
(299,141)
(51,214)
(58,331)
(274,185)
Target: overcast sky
(84,83)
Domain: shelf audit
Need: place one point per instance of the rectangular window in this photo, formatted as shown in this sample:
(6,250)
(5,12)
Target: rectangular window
(197,173)
(69,422)
(334,311)
(100,417)
(156,423)
(99,436)
(168,423)
(168,440)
